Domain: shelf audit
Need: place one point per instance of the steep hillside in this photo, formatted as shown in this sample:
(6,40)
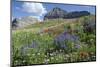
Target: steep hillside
(71,40)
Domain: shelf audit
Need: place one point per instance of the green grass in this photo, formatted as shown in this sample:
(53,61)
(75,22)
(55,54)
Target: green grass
(46,51)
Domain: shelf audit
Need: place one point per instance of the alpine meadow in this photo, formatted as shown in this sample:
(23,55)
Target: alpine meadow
(48,33)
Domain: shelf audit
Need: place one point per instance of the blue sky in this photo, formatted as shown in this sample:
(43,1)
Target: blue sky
(20,9)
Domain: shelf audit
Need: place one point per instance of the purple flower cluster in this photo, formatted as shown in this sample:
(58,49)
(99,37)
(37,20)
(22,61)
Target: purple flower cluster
(24,48)
(77,46)
(60,40)
(67,36)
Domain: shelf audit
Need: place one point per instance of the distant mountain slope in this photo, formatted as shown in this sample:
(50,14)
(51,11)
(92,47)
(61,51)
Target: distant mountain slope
(60,13)
(55,13)
(77,14)
(23,21)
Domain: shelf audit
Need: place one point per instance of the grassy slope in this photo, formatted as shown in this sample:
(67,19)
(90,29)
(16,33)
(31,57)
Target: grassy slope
(55,27)
(27,35)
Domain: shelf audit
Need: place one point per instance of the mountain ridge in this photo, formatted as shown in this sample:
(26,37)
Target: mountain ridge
(60,13)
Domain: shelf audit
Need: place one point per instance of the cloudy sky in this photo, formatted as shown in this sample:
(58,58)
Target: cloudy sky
(21,9)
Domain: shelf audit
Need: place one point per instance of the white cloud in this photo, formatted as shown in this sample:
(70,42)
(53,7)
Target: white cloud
(35,8)
(36,17)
